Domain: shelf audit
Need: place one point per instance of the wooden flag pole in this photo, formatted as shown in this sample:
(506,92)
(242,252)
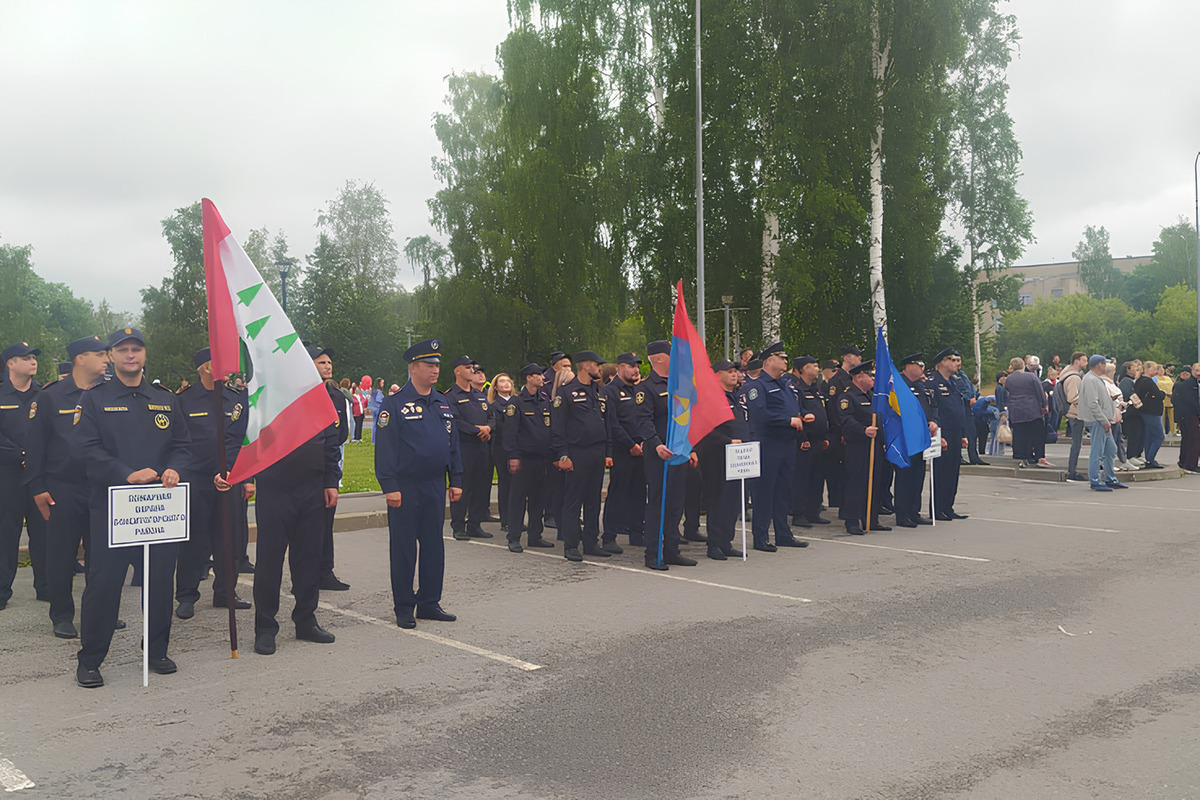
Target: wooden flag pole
(871,474)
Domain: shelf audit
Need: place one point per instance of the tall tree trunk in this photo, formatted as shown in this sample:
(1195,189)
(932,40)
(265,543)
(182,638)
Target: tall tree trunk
(879,60)
(770,289)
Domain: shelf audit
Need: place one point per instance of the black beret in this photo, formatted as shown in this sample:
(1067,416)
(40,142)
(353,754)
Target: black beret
(315,352)
(659,348)
(628,358)
(723,365)
(124,335)
(849,349)
(464,361)
(531,369)
(800,361)
(201,357)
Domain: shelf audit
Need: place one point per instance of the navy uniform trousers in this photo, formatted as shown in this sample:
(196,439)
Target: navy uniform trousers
(68,526)
(477,484)
(771,491)
(581,493)
(527,490)
(101,602)
(418,522)
(624,508)
(723,498)
(18,510)
(207,539)
(854,491)
(291,520)
(909,484)
(676,485)
(945,473)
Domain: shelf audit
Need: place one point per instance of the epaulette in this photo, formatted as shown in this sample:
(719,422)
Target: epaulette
(163,388)
(48,384)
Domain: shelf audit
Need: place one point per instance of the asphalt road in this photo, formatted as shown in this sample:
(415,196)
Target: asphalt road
(1046,647)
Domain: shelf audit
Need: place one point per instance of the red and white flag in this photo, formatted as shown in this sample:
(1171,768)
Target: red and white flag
(288,400)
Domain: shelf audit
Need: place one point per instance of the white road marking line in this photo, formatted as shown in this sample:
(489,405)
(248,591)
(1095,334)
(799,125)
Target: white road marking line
(1081,502)
(897,549)
(469,648)
(653,574)
(12,778)
(1046,525)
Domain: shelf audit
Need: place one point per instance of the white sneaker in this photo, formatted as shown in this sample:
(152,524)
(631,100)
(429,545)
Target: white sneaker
(1131,466)
(1138,462)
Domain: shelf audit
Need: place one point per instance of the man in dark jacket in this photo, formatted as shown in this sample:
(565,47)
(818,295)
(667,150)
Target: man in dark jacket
(1185,397)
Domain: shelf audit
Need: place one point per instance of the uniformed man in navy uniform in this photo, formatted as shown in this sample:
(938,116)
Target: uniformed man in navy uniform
(416,455)
(838,383)
(293,497)
(775,419)
(579,446)
(952,416)
(525,441)
(813,442)
(860,431)
(910,481)
(625,506)
(205,523)
(57,475)
(470,408)
(322,358)
(724,497)
(652,431)
(130,433)
(555,479)
(18,405)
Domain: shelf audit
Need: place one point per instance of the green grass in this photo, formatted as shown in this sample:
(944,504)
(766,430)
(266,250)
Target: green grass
(358,470)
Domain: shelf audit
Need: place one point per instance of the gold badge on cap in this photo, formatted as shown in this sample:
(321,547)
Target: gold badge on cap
(129,330)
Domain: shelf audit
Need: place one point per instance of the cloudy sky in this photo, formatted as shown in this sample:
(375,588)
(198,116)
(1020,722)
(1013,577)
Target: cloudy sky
(117,113)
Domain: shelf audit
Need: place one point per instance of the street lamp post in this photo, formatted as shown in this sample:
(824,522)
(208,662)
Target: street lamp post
(284,266)
(1196,181)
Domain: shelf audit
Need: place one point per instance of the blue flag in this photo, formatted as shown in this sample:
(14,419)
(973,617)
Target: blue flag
(905,429)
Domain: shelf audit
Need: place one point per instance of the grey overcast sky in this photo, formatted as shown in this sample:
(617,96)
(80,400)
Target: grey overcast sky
(117,113)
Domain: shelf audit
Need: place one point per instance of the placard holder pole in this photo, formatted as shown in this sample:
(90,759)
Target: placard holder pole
(146,584)
(744,548)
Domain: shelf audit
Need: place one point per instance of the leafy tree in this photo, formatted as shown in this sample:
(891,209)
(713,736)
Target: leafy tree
(1096,269)
(175,313)
(1174,264)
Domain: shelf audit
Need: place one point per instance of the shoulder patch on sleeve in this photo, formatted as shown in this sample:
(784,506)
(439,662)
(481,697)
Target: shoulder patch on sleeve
(752,394)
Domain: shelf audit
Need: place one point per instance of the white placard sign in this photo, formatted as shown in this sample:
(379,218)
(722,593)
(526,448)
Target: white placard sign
(935,447)
(147,514)
(742,461)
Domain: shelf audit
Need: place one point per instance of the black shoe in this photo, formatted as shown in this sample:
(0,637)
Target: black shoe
(405,619)
(246,568)
(330,583)
(799,521)
(313,632)
(476,532)
(539,542)
(595,550)
(922,520)
(88,678)
(490,518)
(504,527)
(185,610)
(716,554)
(696,537)
(163,666)
(65,630)
(1149,465)
(613,548)
(515,547)
(982,463)
(637,540)
(854,529)
(238,603)
(677,560)
(956,515)
(789,543)
(818,520)
(264,644)
(732,553)
(1075,477)
(654,565)
(766,548)
(120,626)
(550,522)
(460,534)
(887,511)
(572,554)
(878,527)
(436,613)
(943,518)
(905,522)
